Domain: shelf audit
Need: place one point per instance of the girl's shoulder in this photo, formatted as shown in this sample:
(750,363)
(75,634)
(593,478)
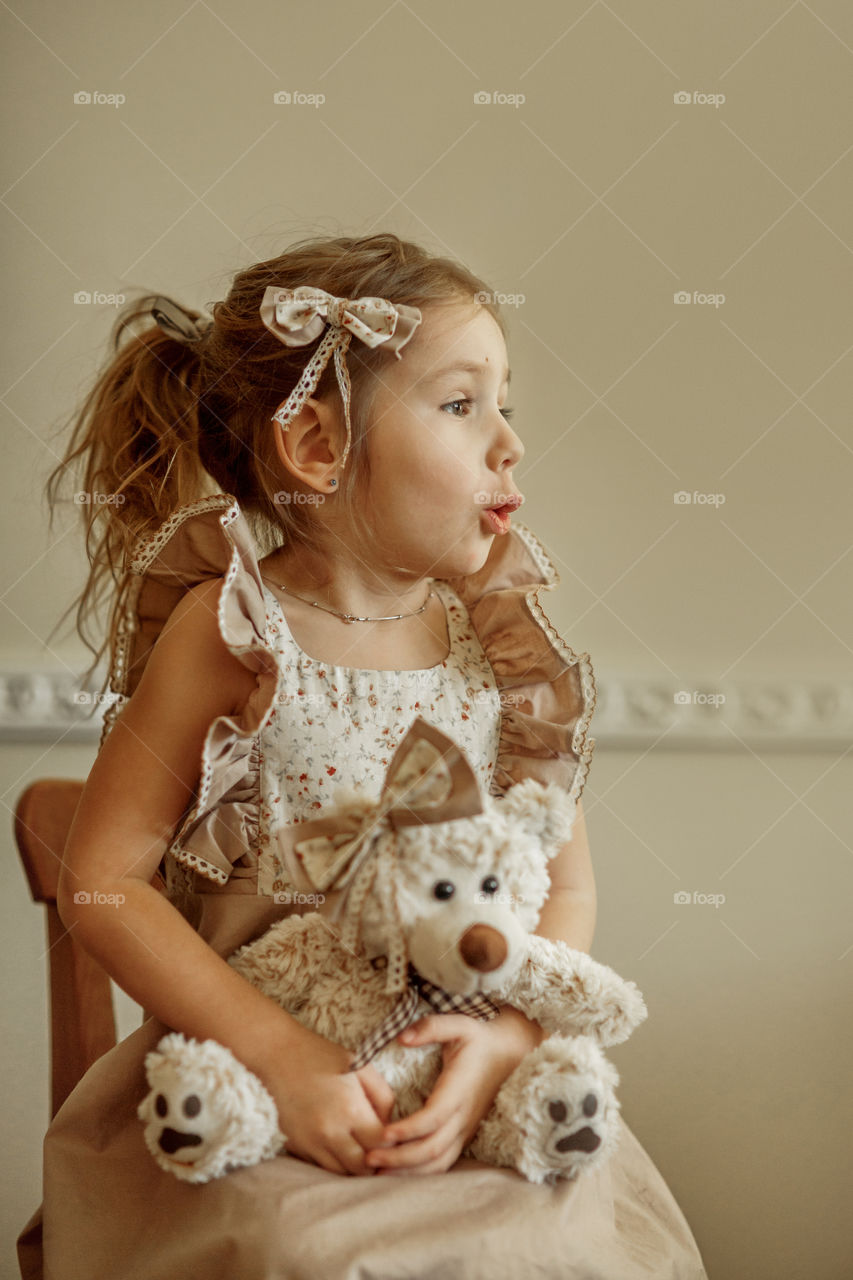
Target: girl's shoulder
(191,644)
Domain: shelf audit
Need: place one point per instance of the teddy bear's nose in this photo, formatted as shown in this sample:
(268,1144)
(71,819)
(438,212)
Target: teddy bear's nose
(483,948)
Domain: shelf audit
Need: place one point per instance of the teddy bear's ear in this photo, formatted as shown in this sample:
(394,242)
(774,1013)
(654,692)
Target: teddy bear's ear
(545,810)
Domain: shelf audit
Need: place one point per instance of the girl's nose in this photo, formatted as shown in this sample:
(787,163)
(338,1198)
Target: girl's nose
(509,448)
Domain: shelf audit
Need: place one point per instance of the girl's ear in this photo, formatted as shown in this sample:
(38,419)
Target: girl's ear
(310,446)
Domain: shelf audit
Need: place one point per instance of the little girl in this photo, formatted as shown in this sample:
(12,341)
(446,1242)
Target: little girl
(306,505)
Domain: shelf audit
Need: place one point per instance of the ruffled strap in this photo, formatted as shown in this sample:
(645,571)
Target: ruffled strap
(547,690)
(205,539)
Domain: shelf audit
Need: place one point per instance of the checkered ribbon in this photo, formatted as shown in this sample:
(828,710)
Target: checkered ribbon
(405,1011)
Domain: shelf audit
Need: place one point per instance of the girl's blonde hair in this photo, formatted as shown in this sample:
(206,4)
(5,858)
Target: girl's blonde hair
(170,421)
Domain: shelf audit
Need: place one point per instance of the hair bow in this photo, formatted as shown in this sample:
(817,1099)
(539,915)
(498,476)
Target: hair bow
(174,321)
(428,781)
(298,316)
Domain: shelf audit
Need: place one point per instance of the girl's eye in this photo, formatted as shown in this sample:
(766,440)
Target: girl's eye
(505,413)
(443,890)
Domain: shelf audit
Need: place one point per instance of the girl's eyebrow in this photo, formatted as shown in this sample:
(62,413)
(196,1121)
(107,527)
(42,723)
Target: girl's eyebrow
(461,367)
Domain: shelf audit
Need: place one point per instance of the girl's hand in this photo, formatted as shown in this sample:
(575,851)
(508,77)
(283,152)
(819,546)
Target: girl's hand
(331,1116)
(477,1058)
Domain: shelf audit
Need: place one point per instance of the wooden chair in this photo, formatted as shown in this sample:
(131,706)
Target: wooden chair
(82,1019)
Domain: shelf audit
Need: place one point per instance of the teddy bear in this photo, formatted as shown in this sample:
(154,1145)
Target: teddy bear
(428,900)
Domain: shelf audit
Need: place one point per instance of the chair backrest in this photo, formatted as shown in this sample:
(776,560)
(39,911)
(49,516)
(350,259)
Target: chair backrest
(82,1020)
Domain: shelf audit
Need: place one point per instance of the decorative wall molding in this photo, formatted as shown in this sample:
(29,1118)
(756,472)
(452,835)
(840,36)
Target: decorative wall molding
(635,712)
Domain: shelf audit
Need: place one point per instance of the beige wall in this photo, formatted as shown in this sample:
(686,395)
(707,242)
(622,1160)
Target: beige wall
(597,199)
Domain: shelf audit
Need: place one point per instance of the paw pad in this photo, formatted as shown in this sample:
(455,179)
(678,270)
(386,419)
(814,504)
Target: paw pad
(172,1140)
(583,1139)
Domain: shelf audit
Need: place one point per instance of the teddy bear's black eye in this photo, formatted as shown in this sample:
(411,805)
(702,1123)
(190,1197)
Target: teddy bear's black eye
(192,1105)
(443,890)
(489,885)
(161,1106)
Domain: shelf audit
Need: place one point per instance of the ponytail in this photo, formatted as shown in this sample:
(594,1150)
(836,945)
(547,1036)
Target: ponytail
(134,445)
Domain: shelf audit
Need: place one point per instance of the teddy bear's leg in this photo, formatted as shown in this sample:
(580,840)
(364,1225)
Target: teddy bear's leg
(205,1113)
(556,1115)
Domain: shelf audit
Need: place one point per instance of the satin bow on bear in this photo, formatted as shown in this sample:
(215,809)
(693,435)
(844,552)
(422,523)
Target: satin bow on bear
(298,316)
(428,781)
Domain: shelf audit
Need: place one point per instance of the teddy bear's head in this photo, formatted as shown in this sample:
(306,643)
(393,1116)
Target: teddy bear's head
(437,874)
(467,892)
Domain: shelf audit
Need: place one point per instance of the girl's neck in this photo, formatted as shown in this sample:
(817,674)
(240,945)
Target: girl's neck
(348,587)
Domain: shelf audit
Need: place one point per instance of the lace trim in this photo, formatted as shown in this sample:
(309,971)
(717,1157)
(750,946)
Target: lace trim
(193,862)
(117,676)
(207,764)
(150,548)
(539,554)
(335,340)
(146,551)
(582,745)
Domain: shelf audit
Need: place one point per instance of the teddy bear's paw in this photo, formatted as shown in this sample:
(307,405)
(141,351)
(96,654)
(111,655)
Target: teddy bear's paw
(622,1009)
(205,1114)
(568,1109)
(573,1132)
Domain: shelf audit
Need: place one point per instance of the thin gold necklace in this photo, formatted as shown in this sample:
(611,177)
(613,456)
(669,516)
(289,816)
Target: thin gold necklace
(351,617)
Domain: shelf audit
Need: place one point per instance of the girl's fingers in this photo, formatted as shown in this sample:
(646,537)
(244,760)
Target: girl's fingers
(418,1125)
(378,1091)
(434,1157)
(350,1153)
(436,1029)
(429,1145)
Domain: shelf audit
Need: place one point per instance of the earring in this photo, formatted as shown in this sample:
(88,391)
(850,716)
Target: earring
(333,482)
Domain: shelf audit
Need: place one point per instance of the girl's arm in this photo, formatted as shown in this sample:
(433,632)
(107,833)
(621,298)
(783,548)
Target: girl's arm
(570,908)
(136,794)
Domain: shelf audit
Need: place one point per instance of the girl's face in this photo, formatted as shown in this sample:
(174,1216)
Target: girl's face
(441,452)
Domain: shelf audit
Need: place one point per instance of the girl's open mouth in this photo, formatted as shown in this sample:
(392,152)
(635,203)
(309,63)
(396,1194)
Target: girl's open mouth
(499,517)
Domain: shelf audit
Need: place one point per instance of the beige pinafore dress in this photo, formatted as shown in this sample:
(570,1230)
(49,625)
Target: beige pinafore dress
(518,702)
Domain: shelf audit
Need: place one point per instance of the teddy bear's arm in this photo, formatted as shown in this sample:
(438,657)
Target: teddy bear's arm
(569,993)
